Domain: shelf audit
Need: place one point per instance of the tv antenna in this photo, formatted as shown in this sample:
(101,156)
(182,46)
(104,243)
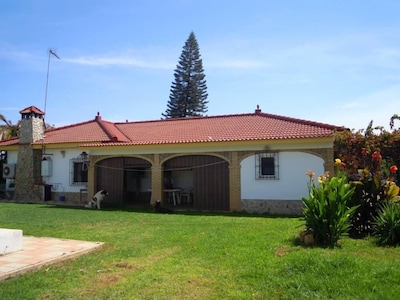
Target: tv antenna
(51,53)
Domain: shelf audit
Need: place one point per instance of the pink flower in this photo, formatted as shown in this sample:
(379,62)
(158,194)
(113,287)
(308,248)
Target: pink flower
(311,174)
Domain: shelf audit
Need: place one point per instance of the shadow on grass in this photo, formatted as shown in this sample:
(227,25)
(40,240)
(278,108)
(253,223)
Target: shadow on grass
(150,209)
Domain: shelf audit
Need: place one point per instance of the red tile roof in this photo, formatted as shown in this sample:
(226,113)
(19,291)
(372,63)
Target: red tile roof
(239,127)
(30,109)
(244,127)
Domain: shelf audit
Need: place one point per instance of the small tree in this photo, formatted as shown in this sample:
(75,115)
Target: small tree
(10,130)
(188,95)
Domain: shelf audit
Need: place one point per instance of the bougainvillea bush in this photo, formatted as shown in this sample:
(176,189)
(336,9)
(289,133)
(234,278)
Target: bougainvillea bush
(355,148)
(370,161)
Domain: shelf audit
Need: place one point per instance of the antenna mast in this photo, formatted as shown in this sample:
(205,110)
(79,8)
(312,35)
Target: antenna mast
(51,52)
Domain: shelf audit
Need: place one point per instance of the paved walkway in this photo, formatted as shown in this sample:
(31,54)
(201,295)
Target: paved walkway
(38,252)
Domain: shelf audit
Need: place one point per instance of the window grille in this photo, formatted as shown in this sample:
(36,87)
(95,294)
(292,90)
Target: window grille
(78,171)
(267,165)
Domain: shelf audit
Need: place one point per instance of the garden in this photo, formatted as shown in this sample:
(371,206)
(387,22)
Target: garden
(345,246)
(196,256)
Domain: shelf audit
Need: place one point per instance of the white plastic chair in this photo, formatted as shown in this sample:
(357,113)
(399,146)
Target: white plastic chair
(186,195)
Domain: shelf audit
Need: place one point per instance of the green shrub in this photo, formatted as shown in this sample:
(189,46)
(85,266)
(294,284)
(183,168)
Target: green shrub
(326,211)
(387,224)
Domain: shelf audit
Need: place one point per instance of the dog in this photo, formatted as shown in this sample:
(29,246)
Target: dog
(96,199)
(163,210)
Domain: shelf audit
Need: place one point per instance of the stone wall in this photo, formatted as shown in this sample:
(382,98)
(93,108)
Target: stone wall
(273,207)
(28,180)
(69,197)
(31,130)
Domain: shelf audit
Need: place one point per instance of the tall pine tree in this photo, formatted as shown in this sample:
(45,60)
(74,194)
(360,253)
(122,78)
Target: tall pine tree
(188,94)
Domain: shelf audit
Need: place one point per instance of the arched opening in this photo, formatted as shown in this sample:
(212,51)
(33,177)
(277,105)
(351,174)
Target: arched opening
(127,180)
(205,176)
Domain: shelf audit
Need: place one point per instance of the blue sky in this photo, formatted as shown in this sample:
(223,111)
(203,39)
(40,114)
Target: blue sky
(336,62)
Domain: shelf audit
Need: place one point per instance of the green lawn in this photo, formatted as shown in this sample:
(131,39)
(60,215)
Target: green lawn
(195,256)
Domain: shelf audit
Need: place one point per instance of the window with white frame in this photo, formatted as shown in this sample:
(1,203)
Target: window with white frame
(78,171)
(267,165)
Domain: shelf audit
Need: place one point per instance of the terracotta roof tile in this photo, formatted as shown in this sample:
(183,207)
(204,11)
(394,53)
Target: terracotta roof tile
(112,131)
(30,109)
(85,132)
(9,142)
(223,128)
(239,127)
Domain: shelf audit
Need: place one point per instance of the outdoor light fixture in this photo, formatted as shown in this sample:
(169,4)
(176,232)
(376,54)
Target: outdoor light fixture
(85,160)
(84,156)
(3,156)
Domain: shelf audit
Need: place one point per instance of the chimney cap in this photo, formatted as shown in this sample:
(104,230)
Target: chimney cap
(31,109)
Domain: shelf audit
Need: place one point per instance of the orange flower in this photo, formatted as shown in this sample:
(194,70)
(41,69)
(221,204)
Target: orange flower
(393,169)
(376,156)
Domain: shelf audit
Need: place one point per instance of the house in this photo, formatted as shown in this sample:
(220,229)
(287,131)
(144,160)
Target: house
(253,162)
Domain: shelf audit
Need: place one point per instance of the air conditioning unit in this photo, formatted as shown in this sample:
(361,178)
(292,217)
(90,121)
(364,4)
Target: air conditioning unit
(9,170)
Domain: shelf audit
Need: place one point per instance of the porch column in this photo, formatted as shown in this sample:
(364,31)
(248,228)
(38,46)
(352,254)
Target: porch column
(91,180)
(156,180)
(329,164)
(234,183)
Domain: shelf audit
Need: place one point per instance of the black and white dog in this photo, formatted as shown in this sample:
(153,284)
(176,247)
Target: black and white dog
(96,200)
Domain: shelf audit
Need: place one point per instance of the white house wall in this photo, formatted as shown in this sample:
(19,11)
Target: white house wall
(12,157)
(276,196)
(60,178)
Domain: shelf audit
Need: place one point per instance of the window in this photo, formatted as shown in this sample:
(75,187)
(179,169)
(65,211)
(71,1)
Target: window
(78,172)
(267,165)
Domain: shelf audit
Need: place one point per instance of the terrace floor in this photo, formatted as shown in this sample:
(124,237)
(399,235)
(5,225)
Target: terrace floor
(41,251)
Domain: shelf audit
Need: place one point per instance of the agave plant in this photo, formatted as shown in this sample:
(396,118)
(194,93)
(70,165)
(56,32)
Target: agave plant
(387,224)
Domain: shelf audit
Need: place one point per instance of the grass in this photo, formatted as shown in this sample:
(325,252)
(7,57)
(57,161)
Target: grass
(195,256)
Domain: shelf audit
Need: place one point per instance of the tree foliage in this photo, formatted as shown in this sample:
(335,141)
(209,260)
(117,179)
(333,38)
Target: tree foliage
(188,94)
(355,148)
(10,129)
(370,158)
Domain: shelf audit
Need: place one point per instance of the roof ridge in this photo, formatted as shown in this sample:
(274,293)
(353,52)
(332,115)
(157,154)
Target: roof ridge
(110,129)
(186,118)
(298,120)
(69,126)
(257,113)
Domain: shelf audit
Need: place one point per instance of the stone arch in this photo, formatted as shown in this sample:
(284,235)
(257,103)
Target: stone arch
(96,158)
(166,157)
(206,173)
(126,178)
(325,153)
